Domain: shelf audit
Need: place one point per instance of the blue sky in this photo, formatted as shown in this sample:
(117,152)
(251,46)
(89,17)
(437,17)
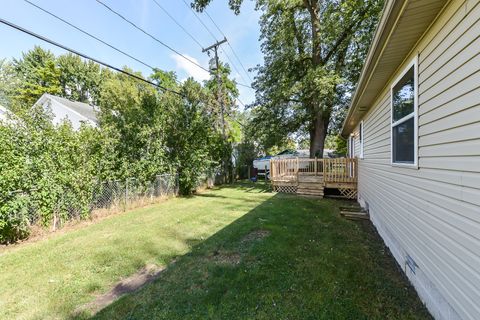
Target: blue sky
(242,32)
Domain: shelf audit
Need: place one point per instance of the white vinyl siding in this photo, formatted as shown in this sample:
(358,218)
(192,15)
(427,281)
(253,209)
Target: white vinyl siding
(433,214)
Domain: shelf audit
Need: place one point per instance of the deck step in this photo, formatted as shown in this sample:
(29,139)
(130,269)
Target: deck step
(355,215)
(310,185)
(310,179)
(311,195)
(314,192)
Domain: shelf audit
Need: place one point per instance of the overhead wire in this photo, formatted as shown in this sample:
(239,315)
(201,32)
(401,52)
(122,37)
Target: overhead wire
(216,39)
(93,36)
(177,23)
(89,34)
(159,41)
(233,65)
(228,43)
(200,20)
(151,36)
(105,43)
(85,56)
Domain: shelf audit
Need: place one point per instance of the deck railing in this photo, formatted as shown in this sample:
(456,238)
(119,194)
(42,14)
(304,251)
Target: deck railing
(335,170)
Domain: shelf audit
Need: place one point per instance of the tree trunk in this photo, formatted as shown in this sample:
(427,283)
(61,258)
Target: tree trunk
(317,135)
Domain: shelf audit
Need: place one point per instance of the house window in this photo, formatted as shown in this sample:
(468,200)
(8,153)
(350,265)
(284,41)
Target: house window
(361,138)
(404,117)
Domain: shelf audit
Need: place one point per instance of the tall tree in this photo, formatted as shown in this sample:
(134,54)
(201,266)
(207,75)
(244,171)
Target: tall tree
(38,74)
(228,92)
(313,53)
(79,79)
(8,82)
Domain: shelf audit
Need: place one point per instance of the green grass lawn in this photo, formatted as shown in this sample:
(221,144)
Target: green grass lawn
(240,253)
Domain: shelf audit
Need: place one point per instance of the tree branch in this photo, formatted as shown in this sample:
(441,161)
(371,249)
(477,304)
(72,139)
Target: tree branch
(346,33)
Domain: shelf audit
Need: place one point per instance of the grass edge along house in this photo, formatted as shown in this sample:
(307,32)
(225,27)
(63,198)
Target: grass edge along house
(414,125)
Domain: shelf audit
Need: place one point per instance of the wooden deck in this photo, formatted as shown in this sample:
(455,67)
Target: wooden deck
(312,176)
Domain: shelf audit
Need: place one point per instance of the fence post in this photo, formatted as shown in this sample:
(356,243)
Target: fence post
(126,194)
(265,173)
(248,173)
(315,165)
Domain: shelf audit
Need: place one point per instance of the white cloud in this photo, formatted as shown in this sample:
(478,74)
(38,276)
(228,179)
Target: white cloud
(189,68)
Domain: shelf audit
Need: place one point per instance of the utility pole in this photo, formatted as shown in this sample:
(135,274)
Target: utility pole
(214,47)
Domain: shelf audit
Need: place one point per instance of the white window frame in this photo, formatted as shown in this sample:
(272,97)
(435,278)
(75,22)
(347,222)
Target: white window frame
(351,146)
(414,114)
(361,139)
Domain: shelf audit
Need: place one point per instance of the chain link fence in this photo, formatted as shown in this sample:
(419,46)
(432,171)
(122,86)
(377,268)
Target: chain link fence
(120,195)
(106,197)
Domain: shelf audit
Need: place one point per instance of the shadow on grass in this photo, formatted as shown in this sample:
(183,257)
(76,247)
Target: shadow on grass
(308,263)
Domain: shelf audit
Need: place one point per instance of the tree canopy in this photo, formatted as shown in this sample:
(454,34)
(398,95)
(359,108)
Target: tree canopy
(313,55)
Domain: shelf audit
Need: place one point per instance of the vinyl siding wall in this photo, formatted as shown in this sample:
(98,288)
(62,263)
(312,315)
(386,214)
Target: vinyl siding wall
(432,213)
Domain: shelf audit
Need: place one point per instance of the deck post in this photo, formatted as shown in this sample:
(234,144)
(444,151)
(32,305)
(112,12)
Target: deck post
(297,169)
(272,171)
(315,165)
(324,172)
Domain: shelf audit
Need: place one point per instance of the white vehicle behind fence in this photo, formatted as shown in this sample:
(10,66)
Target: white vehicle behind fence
(263,164)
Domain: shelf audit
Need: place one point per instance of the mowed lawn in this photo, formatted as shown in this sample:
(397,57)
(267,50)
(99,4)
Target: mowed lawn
(237,252)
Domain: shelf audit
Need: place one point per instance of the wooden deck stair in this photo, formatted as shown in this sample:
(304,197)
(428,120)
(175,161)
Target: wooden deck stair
(310,185)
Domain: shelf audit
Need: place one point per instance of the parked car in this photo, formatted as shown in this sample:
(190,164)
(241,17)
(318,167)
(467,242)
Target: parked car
(263,164)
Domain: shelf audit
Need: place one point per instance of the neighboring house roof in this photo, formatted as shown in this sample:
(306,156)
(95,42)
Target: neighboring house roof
(75,111)
(87,110)
(401,26)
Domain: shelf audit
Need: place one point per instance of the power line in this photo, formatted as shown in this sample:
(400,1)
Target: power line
(243,104)
(215,38)
(85,56)
(201,21)
(177,23)
(89,34)
(246,86)
(36,35)
(151,36)
(233,65)
(96,38)
(239,61)
(161,42)
(228,43)
(100,40)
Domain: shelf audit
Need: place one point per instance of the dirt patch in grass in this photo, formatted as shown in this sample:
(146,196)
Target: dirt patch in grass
(234,257)
(223,257)
(144,276)
(255,235)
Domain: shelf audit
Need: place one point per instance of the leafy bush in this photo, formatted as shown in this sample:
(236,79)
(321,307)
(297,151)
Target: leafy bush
(49,172)
(14,219)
